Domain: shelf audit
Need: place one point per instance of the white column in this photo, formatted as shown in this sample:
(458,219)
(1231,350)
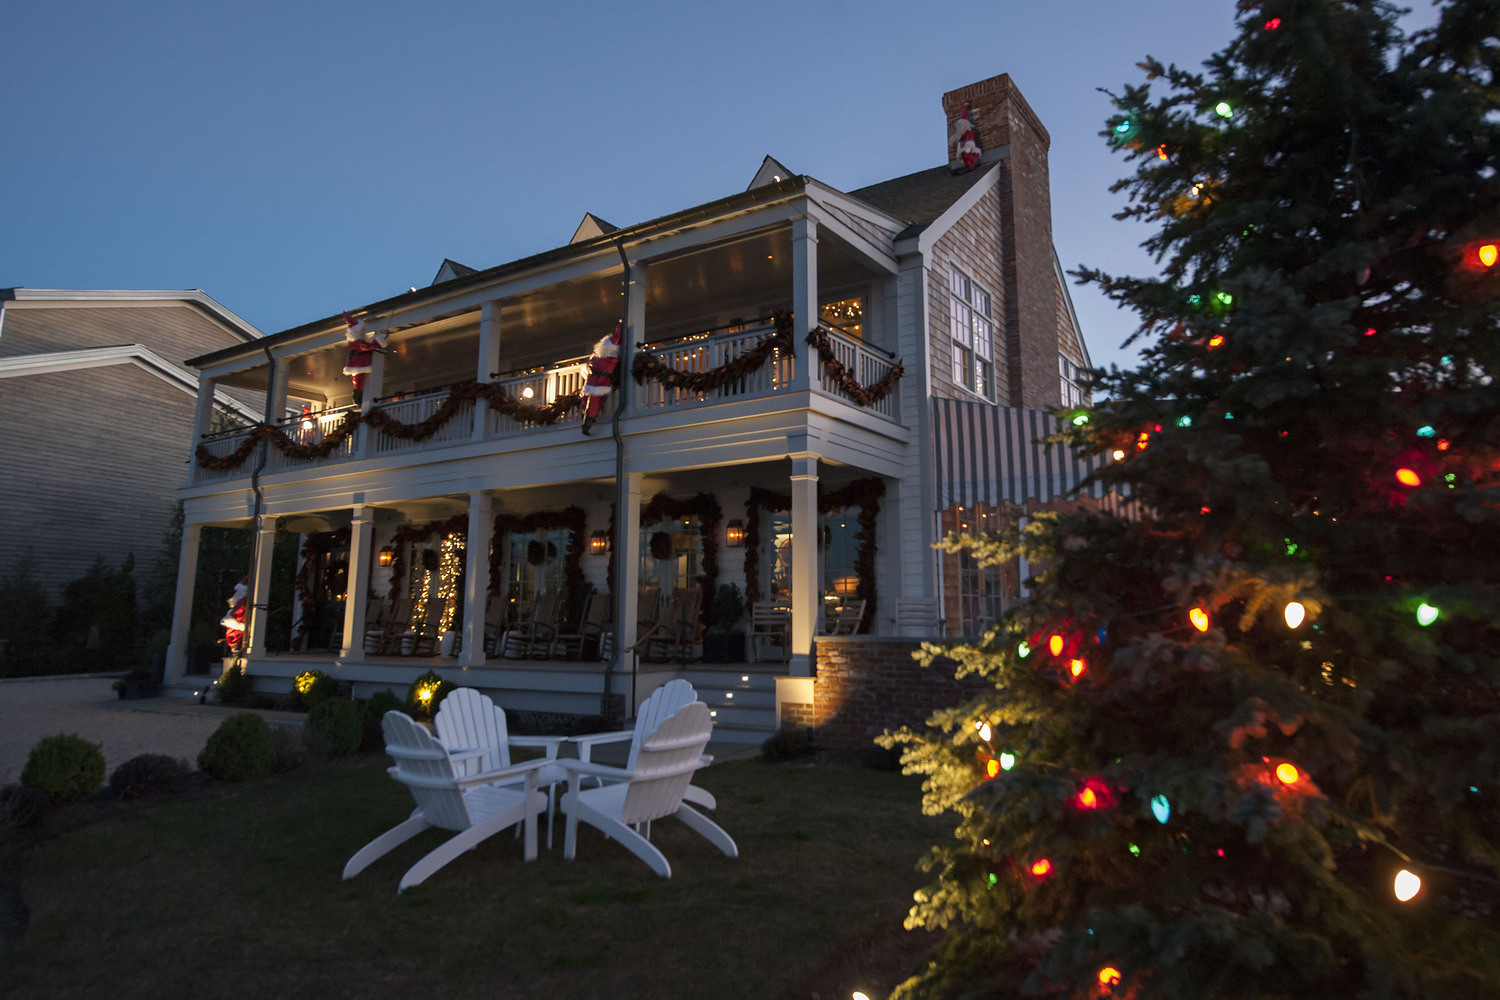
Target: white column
(476,577)
(182,608)
(260,597)
(634,333)
(806,591)
(627,570)
(203,419)
(356,596)
(374,386)
(804,296)
(278,389)
(489,363)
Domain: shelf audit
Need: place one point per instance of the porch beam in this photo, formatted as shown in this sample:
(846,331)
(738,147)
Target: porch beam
(806,592)
(477,577)
(356,594)
(182,607)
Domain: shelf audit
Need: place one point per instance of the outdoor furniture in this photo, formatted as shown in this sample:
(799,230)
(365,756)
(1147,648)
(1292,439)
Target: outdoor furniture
(533,637)
(770,621)
(592,624)
(845,618)
(677,631)
(468,721)
(663,703)
(384,639)
(473,805)
(917,616)
(647,613)
(654,787)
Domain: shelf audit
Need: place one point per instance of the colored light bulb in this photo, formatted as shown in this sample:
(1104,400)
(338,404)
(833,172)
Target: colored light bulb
(991,768)
(1023,650)
(1123,127)
(1224,298)
(1088,799)
(1041,868)
(1184,421)
(1216,340)
(1077,667)
(1287,773)
(1426,614)
(1294,614)
(1199,618)
(1161,152)
(1370,331)
(1118,455)
(1223,110)
(1407,885)
(1079,419)
(1273,24)
(1109,978)
(1408,477)
(1488,254)
(1055,645)
(1427,431)
(1161,808)
(984,731)
(1007,761)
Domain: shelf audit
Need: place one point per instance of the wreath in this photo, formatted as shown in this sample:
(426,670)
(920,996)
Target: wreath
(536,554)
(661,545)
(866,493)
(710,515)
(572,519)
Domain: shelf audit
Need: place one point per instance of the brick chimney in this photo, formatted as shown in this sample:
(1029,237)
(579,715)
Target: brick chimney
(1009,131)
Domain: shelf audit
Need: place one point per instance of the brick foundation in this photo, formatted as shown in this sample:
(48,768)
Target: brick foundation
(868,684)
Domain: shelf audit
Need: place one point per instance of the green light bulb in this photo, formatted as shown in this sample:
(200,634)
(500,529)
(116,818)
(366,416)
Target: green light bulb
(1123,127)
(1223,110)
(1426,614)
(1427,431)
(1007,761)
(1184,421)
(1023,650)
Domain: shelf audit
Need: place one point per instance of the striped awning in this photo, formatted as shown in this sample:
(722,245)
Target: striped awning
(991,455)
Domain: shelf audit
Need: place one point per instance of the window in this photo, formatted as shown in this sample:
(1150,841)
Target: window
(973,335)
(683,563)
(1070,376)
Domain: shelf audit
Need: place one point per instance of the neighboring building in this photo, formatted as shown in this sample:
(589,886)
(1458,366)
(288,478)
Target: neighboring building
(935,305)
(96,400)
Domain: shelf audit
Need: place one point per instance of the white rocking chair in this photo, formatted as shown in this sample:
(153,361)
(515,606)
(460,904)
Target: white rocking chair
(654,788)
(473,805)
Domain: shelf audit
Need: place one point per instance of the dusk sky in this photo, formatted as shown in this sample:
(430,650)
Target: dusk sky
(293,159)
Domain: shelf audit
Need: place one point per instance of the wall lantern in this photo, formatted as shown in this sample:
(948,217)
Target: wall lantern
(387,556)
(734,534)
(599,543)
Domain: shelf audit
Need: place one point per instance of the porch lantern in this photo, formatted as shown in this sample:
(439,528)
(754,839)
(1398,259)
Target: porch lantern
(734,534)
(386,557)
(599,543)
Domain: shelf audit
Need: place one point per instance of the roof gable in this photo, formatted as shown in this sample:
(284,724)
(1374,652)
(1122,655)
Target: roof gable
(771,172)
(592,227)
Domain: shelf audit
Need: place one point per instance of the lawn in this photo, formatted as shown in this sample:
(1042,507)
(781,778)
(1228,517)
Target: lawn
(238,895)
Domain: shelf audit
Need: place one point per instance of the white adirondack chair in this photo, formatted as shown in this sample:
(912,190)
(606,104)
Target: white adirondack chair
(655,787)
(473,805)
(663,703)
(471,727)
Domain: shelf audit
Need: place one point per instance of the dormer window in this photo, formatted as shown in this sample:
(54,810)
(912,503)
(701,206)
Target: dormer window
(973,335)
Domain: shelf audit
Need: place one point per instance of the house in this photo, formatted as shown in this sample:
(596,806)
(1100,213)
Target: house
(799,364)
(96,402)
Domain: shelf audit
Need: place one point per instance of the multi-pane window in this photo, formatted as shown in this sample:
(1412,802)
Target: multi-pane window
(973,334)
(1070,376)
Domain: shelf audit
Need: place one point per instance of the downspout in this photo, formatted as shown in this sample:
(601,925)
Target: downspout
(260,506)
(622,572)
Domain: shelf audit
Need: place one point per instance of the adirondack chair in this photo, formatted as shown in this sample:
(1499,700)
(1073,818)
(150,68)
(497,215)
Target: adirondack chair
(471,727)
(654,788)
(473,805)
(663,703)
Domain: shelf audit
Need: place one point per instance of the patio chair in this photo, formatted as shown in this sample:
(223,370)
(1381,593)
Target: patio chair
(647,614)
(471,727)
(591,624)
(770,621)
(384,639)
(654,788)
(917,616)
(677,631)
(494,624)
(845,618)
(472,805)
(532,637)
(663,703)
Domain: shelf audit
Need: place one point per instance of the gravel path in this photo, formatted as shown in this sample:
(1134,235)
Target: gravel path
(31,708)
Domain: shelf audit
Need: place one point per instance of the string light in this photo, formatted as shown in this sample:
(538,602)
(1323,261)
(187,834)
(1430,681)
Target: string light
(1426,614)
(1223,110)
(1079,419)
(1077,667)
(1118,455)
(1161,152)
(1294,614)
(1370,331)
(1488,254)
(1273,24)
(1055,644)
(1109,978)
(1123,127)
(1184,421)
(992,768)
(1407,885)
(1007,761)
(984,730)
(1215,340)
(1408,477)
(1426,431)
(1199,618)
(1023,650)
(1287,773)
(1041,868)
(1088,799)
(1161,808)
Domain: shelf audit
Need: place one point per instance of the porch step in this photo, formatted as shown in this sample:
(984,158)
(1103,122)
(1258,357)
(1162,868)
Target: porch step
(742,699)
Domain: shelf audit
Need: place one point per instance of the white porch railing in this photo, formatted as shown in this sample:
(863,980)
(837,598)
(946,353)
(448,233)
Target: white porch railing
(219,445)
(414,410)
(539,388)
(867,364)
(706,352)
(323,423)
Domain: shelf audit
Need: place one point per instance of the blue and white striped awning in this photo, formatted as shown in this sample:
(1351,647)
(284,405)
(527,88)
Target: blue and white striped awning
(991,455)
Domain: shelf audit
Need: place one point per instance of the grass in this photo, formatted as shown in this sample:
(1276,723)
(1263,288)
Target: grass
(239,895)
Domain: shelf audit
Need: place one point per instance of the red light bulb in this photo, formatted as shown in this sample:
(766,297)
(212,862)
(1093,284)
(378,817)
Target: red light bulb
(1041,868)
(1273,24)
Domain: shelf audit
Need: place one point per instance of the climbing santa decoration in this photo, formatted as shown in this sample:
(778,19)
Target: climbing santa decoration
(363,343)
(604,366)
(234,621)
(967,140)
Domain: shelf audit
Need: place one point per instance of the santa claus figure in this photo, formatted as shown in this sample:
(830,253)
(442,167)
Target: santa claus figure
(234,621)
(967,140)
(363,343)
(603,364)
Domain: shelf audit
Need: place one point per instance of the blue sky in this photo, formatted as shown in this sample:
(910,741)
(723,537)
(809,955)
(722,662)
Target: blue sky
(294,159)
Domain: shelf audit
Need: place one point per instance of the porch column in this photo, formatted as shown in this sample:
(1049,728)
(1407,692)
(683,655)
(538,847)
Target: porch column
(356,595)
(182,607)
(634,333)
(364,446)
(806,593)
(627,575)
(476,576)
(260,596)
(489,363)
(277,392)
(203,419)
(804,297)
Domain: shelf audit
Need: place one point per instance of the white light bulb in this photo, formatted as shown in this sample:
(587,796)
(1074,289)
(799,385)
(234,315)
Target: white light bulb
(1408,884)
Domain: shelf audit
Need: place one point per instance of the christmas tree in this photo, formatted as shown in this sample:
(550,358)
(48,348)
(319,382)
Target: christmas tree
(1246,743)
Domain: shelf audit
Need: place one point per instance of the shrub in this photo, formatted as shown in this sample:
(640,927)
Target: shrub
(302,684)
(22,807)
(67,767)
(787,744)
(239,750)
(321,690)
(335,726)
(726,609)
(149,774)
(425,694)
(380,703)
(234,686)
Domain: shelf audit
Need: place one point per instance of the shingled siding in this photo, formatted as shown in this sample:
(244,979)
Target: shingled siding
(176,332)
(868,684)
(973,245)
(92,461)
